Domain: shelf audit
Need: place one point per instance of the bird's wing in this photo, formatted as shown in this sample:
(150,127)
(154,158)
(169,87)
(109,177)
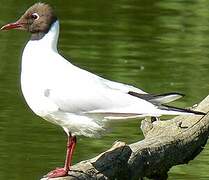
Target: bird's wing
(79,91)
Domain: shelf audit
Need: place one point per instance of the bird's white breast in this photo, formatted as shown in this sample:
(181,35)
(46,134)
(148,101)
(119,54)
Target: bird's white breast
(37,66)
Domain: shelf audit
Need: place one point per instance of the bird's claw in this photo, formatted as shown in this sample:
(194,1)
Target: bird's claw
(58,172)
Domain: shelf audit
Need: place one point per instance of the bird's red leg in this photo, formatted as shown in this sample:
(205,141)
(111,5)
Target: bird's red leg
(70,149)
(60,172)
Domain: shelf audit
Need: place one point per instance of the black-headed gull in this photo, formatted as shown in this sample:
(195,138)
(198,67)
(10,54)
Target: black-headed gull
(75,99)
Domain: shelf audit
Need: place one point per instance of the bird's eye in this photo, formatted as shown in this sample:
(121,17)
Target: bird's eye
(34,16)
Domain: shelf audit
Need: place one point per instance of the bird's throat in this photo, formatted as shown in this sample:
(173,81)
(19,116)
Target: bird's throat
(37,36)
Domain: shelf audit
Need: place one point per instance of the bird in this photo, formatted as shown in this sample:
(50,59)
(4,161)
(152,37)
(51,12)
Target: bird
(77,100)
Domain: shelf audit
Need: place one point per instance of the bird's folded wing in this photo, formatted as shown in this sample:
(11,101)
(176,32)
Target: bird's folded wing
(83,92)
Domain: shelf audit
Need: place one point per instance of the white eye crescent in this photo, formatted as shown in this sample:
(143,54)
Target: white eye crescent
(34,16)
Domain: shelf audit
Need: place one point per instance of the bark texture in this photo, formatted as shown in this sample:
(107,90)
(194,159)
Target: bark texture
(166,144)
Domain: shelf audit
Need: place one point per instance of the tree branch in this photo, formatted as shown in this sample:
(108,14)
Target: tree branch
(166,144)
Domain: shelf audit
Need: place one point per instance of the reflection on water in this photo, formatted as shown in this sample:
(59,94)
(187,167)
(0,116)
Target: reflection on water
(159,46)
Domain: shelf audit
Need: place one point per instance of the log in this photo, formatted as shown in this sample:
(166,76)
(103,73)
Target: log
(167,143)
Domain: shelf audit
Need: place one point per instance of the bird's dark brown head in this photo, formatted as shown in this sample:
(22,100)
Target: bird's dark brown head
(36,20)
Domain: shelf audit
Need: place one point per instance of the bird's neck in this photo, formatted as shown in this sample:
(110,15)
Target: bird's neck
(48,39)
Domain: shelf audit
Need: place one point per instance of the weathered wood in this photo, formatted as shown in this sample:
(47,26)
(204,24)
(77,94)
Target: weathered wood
(166,144)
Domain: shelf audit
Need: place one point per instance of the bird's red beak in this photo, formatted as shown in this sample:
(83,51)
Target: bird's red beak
(15,25)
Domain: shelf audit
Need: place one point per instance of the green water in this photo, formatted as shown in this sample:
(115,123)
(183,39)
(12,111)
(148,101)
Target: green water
(157,45)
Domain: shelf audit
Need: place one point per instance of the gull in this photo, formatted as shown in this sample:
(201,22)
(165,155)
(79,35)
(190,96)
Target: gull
(75,99)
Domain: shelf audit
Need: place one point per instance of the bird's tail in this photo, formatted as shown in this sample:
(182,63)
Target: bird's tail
(170,110)
(161,99)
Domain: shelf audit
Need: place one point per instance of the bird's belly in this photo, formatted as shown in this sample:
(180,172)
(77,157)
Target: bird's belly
(77,124)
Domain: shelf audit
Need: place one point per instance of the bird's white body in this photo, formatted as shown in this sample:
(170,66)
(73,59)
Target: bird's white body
(73,98)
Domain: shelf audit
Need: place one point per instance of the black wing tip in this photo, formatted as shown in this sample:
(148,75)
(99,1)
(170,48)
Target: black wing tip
(184,110)
(171,93)
(199,113)
(153,96)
